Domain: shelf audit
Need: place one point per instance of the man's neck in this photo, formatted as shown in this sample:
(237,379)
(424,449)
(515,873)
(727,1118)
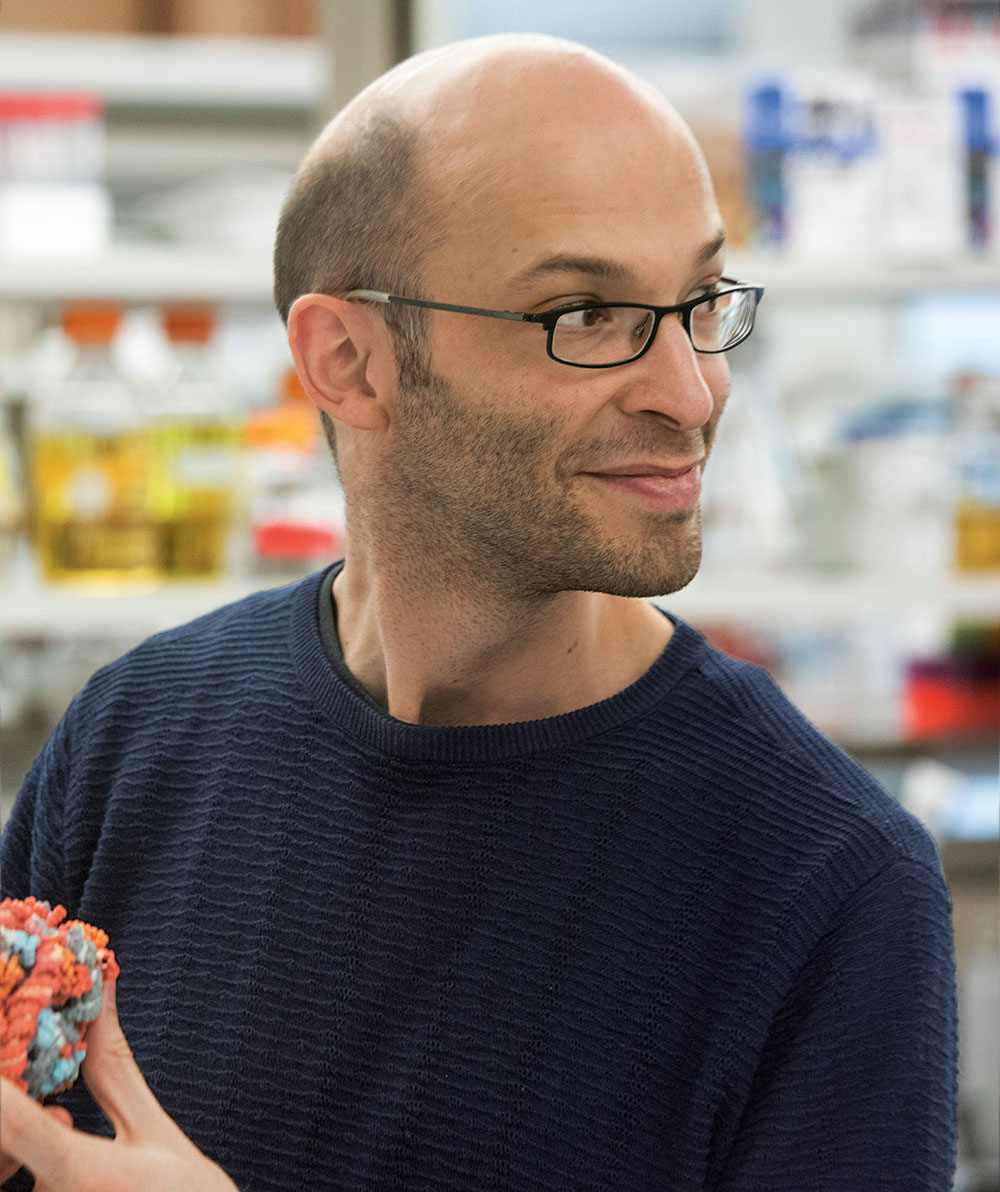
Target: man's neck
(432,652)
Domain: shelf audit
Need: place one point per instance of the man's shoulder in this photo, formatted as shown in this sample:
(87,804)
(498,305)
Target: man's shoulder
(238,639)
(257,611)
(787,773)
(743,703)
(745,709)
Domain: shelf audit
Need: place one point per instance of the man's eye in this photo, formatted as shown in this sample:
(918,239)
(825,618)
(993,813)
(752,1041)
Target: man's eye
(591,316)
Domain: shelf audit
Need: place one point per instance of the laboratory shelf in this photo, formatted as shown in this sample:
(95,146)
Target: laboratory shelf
(143,272)
(151,272)
(868,280)
(262,73)
(54,612)
(49,611)
(784,597)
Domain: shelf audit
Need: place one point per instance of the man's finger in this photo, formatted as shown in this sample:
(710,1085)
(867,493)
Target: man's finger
(114,1078)
(59,1114)
(9,1165)
(32,1136)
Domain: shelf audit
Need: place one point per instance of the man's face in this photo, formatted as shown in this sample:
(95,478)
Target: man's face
(499,459)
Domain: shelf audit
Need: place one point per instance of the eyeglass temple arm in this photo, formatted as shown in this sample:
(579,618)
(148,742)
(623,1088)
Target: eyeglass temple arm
(381,296)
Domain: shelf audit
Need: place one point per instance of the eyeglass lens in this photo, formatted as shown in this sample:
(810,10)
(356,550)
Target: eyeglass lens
(610,335)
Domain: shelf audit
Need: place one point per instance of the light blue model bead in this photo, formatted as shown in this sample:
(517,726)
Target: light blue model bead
(46,1028)
(65,1068)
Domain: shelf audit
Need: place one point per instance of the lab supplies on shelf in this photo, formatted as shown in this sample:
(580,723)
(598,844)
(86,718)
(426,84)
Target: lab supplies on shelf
(296,504)
(159,466)
(842,163)
(54,203)
(196,423)
(92,463)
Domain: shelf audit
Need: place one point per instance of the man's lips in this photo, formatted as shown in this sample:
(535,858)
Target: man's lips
(669,490)
(648,469)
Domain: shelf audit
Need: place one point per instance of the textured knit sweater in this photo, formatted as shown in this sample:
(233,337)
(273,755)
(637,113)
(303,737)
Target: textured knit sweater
(673,940)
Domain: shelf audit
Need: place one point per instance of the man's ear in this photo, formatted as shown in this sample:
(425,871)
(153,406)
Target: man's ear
(333,342)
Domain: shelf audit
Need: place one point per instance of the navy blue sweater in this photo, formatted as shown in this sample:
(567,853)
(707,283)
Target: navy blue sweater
(674,940)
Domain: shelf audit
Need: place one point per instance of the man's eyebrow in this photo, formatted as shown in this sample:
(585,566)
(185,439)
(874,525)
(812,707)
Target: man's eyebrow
(601,267)
(707,251)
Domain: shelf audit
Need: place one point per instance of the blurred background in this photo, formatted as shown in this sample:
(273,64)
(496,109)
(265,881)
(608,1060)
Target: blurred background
(158,459)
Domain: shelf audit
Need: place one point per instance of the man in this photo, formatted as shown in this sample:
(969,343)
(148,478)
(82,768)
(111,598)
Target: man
(460,865)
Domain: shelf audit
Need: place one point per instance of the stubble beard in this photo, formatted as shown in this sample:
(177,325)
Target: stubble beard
(466,502)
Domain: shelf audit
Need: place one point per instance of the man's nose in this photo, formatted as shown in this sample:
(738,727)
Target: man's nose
(668,379)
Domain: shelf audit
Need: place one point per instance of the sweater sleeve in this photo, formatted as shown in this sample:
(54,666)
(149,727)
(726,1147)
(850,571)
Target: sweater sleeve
(857,1085)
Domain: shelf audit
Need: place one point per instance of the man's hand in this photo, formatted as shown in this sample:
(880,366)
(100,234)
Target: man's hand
(8,1164)
(149,1150)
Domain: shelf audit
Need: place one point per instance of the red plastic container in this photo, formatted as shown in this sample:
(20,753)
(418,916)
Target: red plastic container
(952,697)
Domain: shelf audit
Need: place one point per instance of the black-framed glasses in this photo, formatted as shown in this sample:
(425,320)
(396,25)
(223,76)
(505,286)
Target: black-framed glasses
(605,334)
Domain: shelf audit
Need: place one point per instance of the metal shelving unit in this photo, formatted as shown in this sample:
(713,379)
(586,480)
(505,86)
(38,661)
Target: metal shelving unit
(289,73)
(143,272)
(148,272)
(33,609)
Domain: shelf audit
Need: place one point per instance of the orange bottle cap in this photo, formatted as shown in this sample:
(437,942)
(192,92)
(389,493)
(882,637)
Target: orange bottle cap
(285,429)
(189,324)
(91,322)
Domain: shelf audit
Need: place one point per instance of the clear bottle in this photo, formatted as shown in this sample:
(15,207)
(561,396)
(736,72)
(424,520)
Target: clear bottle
(197,429)
(91,464)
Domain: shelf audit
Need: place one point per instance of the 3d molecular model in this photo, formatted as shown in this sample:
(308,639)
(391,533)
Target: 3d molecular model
(51,976)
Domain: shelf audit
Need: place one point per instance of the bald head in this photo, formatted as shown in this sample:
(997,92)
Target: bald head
(443,133)
(497,76)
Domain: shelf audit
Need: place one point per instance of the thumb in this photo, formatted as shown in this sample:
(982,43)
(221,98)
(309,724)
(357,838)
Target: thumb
(8,1164)
(113,1077)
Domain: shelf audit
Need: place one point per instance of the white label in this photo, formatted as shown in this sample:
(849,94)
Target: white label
(209,467)
(88,493)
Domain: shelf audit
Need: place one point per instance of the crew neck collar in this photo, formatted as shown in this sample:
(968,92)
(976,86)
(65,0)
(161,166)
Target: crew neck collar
(372,726)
